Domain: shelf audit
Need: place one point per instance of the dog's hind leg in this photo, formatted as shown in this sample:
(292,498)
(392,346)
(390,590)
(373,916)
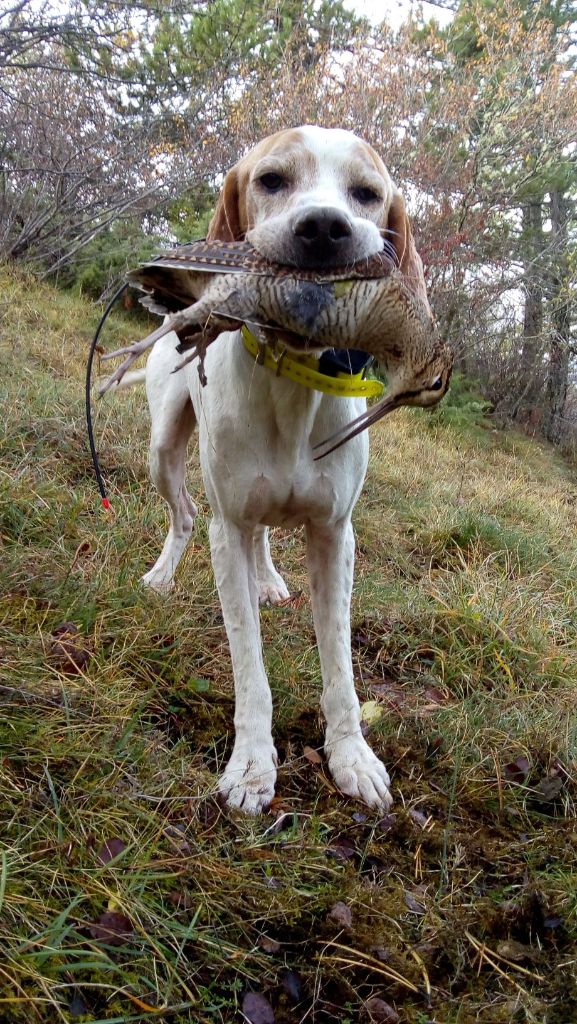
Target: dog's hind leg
(272,589)
(173,422)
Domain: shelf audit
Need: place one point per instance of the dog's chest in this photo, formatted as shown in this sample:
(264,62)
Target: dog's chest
(272,500)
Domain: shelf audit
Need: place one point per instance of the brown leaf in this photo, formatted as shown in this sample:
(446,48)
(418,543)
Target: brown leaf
(65,651)
(392,695)
(341,915)
(548,789)
(413,904)
(342,850)
(269,945)
(387,823)
(418,817)
(435,695)
(112,928)
(382,953)
(257,1009)
(312,755)
(381,1012)
(66,629)
(517,770)
(515,951)
(110,849)
(181,899)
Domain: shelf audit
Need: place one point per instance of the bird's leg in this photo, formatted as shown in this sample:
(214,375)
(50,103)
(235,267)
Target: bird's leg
(134,351)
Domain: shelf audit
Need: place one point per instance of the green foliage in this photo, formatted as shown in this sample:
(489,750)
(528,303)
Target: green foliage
(233,37)
(462,408)
(103,262)
(189,215)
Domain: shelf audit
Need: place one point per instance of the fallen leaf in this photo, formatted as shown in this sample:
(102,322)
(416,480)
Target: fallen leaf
(382,953)
(515,951)
(342,850)
(341,915)
(181,899)
(199,685)
(413,904)
(176,835)
(312,755)
(381,1012)
(418,817)
(269,945)
(371,712)
(65,651)
(257,1009)
(386,823)
(517,770)
(548,789)
(435,696)
(110,849)
(293,986)
(393,694)
(112,928)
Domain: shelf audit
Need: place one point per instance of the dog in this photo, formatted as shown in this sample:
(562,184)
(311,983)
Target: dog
(309,197)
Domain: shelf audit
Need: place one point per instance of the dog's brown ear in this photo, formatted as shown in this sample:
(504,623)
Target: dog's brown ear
(400,235)
(228,220)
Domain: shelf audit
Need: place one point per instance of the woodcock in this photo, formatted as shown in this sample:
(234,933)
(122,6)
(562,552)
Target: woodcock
(205,288)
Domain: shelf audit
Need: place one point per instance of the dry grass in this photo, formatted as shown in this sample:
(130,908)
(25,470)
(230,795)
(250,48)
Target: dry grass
(463,902)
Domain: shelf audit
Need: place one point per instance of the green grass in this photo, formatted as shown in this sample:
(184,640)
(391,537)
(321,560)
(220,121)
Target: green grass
(464,623)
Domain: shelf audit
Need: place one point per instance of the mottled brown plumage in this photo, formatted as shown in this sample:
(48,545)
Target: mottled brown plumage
(211,287)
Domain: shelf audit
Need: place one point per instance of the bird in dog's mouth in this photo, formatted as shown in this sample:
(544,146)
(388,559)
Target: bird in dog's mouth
(206,288)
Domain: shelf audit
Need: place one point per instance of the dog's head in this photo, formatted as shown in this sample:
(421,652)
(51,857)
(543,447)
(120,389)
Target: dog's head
(317,197)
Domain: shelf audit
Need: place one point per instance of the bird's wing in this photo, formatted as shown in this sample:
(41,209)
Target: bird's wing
(242,258)
(214,257)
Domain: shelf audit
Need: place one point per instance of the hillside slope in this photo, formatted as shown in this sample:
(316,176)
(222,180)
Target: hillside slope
(126,892)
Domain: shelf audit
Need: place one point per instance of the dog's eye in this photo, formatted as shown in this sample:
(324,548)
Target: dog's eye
(271,182)
(437,384)
(364,194)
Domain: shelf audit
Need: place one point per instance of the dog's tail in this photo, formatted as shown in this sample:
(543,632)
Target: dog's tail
(129,380)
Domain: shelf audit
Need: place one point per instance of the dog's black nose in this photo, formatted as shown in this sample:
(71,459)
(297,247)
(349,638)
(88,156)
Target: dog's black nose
(322,235)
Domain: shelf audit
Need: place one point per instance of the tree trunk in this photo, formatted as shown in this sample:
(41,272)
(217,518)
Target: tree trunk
(529,377)
(560,347)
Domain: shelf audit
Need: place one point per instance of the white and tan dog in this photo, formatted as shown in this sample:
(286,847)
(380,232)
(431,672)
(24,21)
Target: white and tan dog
(309,197)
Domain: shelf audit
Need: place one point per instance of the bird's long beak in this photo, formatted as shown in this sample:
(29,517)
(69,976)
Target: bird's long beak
(387,404)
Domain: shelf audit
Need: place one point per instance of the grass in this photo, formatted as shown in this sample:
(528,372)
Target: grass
(462,901)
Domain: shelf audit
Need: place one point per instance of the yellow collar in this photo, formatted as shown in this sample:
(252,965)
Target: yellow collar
(304,369)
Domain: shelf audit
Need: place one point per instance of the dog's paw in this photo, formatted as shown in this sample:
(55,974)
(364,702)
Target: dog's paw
(357,772)
(158,581)
(273,590)
(248,781)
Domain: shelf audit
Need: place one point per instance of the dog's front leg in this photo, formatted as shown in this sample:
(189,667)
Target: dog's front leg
(249,779)
(353,765)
